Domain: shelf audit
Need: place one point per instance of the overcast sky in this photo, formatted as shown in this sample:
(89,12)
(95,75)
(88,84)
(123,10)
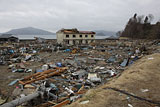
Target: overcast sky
(52,15)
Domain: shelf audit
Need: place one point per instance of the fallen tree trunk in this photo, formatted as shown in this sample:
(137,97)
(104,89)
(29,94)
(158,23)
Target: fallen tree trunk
(22,100)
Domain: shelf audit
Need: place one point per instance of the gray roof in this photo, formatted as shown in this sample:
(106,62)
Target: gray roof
(7,36)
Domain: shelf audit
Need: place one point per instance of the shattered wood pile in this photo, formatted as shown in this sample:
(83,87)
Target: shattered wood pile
(41,75)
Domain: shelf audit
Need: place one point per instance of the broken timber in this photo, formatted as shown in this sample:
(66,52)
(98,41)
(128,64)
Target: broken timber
(41,75)
(21,100)
(62,103)
(51,103)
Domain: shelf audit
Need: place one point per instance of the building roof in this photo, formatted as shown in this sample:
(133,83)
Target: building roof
(75,31)
(7,36)
(87,32)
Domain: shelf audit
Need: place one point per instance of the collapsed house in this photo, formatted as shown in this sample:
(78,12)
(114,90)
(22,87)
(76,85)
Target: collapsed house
(8,38)
(75,37)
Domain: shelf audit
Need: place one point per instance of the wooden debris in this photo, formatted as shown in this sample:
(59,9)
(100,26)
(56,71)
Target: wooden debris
(62,103)
(41,75)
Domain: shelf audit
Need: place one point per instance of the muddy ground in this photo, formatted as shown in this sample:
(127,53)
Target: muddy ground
(7,76)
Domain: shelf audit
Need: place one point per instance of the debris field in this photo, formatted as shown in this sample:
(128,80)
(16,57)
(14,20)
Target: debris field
(50,75)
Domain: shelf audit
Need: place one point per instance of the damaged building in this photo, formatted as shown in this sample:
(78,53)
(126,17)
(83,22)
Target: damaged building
(8,38)
(75,37)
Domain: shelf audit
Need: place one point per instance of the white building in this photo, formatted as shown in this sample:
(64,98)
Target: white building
(73,36)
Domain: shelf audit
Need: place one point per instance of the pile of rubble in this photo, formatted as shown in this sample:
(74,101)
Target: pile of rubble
(64,82)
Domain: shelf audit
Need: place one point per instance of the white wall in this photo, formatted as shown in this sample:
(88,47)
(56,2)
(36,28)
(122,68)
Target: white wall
(60,38)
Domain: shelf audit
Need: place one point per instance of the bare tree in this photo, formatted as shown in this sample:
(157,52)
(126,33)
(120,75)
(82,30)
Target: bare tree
(151,17)
(119,33)
(140,19)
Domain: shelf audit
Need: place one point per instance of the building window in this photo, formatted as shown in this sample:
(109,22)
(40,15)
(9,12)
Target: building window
(86,36)
(67,36)
(80,36)
(92,36)
(74,36)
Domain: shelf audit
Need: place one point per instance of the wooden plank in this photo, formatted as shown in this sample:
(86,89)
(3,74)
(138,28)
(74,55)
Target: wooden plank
(28,77)
(42,75)
(33,77)
(81,88)
(63,98)
(51,102)
(21,82)
(81,92)
(62,103)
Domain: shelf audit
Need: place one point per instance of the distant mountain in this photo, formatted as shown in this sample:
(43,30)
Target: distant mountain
(29,31)
(104,33)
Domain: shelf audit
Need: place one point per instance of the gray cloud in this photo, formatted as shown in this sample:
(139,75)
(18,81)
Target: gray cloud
(53,15)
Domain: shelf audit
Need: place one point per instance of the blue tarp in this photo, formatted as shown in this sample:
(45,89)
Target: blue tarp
(11,51)
(59,64)
(134,59)
(67,50)
(39,70)
(124,63)
(52,85)
(13,82)
(111,59)
(84,48)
